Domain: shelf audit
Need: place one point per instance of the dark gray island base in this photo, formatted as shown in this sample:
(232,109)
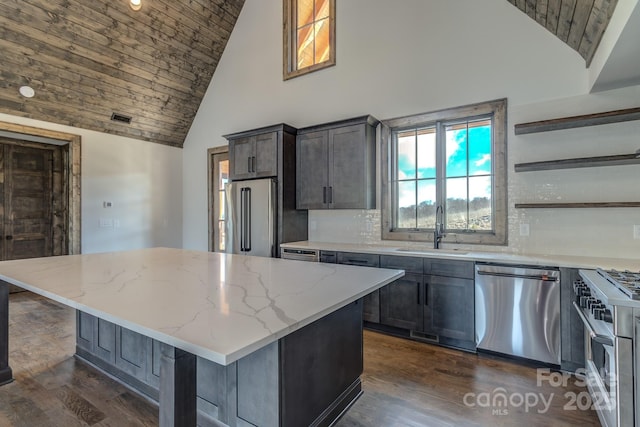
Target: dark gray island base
(308,377)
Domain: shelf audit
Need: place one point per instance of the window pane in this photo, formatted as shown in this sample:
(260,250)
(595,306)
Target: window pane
(480,210)
(322,41)
(480,147)
(456,204)
(427,153)
(427,203)
(223,176)
(305,12)
(322,9)
(305,46)
(407,155)
(407,204)
(456,150)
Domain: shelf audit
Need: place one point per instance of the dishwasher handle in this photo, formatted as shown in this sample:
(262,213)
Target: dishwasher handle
(539,277)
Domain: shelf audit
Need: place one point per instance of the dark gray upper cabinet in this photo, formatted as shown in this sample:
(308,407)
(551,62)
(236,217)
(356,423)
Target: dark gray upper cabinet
(336,165)
(270,152)
(255,153)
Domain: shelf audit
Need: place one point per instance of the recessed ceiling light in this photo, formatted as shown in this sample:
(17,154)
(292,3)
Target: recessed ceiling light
(135,4)
(27,91)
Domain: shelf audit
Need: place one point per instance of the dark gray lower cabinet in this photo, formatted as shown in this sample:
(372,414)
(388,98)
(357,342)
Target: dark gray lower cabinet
(371,302)
(401,302)
(306,378)
(449,307)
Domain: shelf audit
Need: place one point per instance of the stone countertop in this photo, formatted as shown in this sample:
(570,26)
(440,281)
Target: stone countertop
(217,306)
(471,255)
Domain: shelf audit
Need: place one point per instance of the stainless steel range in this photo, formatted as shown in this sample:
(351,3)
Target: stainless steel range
(608,303)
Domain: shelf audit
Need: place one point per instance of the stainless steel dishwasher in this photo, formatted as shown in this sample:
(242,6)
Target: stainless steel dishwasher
(518,311)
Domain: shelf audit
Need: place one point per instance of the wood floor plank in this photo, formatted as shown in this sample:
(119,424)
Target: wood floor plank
(405,383)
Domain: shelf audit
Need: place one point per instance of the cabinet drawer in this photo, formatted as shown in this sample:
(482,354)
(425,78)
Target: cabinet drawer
(445,267)
(365,260)
(408,264)
(328,256)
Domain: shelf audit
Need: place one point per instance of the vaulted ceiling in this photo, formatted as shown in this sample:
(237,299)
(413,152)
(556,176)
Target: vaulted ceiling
(87,60)
(578,23)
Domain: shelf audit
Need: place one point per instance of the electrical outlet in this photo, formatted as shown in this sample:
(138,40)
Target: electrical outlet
(636,231)
(524,229)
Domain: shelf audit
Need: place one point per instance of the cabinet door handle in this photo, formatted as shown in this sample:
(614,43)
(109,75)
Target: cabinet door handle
(330,195)
(253,164)
(418,292)
(426,294)
(9,237)
(324,195)
(249,164)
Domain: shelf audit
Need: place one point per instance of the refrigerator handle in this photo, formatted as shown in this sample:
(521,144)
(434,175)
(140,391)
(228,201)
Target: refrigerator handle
(247,223)
(242,210)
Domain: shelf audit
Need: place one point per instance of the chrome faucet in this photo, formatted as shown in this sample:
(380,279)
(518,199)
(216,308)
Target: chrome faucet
(438,232)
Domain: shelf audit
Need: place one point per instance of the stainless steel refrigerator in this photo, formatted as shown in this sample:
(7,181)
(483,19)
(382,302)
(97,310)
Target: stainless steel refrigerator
(251,217)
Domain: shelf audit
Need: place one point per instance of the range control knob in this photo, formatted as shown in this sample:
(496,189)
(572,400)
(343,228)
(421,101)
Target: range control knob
(607,316)
(597,313)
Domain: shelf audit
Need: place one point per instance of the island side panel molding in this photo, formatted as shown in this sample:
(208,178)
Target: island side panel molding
(6,376)
(318,364)
(177,387)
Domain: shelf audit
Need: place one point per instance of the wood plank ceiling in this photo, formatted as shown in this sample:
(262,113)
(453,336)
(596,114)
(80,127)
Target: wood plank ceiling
(89,59)
(578,23)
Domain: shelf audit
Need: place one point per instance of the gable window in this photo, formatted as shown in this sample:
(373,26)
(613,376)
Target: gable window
(309,36)
(454,159)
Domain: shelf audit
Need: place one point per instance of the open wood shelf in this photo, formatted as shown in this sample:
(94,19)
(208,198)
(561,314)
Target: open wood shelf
(578,205)
(584,162)
(578,121)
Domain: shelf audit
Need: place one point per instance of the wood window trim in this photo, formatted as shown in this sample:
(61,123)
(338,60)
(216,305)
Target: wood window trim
(72,175)
(499,146)
(290,70)
(212,193)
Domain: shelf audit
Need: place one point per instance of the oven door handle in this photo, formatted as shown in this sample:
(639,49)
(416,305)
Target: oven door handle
(602,339)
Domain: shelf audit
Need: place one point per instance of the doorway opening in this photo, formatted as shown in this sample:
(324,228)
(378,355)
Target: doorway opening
(39,192)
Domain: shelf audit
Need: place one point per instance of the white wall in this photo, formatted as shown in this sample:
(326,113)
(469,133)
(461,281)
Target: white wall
(408,57)
(143,181)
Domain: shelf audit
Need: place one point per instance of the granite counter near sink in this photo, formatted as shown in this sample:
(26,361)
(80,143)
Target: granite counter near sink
(569,261)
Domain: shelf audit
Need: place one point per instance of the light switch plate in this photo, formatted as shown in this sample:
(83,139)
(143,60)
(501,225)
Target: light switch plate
(524,229)
(636,231)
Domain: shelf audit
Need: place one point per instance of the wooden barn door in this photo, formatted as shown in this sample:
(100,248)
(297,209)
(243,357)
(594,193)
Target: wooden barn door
(27,221)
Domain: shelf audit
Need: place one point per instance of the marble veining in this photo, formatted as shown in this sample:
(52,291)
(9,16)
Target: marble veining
(217,306)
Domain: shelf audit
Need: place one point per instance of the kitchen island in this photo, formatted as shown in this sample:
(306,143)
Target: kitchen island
(284,337)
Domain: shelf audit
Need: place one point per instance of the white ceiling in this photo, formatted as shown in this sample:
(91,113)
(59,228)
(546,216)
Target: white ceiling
(622,66)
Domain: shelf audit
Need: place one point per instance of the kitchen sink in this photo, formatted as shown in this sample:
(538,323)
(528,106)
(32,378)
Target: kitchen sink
(432,251)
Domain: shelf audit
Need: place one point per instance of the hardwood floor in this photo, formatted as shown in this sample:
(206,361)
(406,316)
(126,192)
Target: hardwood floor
(406,383)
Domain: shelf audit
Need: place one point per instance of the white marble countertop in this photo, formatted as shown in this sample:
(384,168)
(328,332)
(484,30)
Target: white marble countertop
(471,255)
(218,306)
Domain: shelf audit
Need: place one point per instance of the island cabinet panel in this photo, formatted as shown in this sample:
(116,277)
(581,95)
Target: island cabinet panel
(132,351)
(96,336)
(328,355)
(306,378)
(336,165)
(371,302)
